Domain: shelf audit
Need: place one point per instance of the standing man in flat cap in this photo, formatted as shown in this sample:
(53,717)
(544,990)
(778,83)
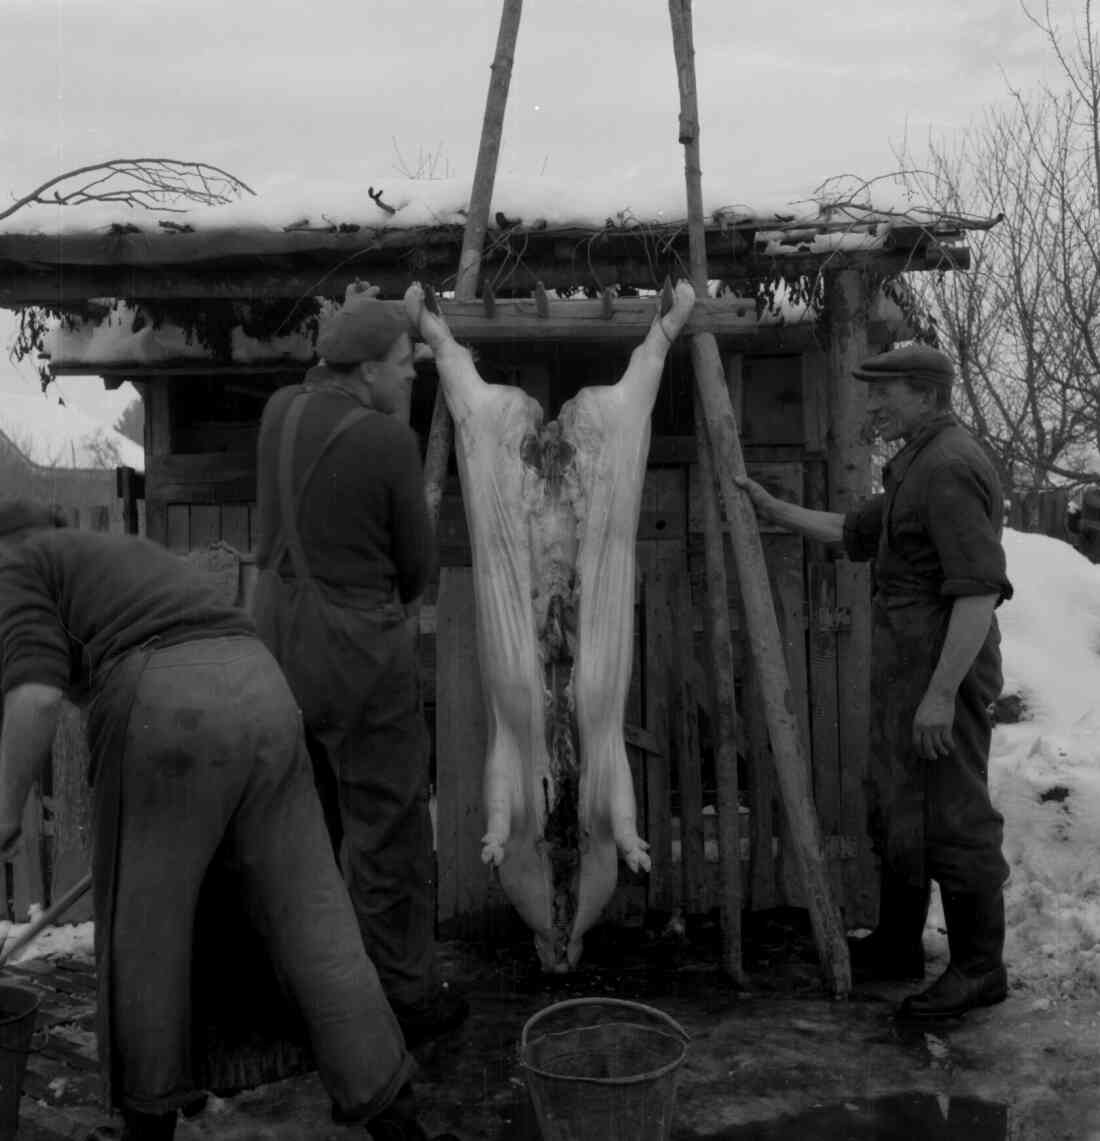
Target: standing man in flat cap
(345,544)
(939,574)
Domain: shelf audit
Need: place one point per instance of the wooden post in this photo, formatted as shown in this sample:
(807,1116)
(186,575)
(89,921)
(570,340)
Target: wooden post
(657,652)
(477,222)
(763,628)
(849,481)
(157,398)
(126,487)
(689,762)
(724,715)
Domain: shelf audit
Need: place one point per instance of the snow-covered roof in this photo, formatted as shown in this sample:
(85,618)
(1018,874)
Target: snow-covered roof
(404,203)
(53,435)
(393,210)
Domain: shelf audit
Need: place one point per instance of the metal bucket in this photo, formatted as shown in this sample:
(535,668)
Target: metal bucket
(603,1069)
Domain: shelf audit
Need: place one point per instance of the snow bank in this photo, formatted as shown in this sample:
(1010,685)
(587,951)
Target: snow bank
(73,940)
(1045,771)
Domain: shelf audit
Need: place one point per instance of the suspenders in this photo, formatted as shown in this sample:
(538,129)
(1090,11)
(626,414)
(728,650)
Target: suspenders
(290,500)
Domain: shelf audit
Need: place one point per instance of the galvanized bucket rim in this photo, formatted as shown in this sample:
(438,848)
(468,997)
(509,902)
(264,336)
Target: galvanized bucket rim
(622,1005)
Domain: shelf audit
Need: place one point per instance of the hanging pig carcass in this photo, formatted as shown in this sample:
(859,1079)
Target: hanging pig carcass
(552,511)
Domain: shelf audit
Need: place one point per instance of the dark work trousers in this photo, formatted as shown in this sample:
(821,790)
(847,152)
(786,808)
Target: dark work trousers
(351,663)
(931,819)
(213,761)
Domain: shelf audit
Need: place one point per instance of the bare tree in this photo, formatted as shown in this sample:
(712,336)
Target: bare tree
(1024,323)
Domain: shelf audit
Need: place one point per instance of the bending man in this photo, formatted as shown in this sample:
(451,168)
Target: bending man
(197,754)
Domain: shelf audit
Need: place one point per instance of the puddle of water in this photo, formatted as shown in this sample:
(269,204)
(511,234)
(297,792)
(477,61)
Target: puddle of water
(899,1117)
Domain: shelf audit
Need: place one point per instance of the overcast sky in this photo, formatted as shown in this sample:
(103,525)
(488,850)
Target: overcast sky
(358,90)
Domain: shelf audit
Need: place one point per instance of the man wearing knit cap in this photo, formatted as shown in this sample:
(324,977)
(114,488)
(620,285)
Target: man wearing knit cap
(198,769)
(345,544)
(939,573)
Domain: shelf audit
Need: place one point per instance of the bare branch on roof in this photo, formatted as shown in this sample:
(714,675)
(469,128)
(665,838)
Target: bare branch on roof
(151,183)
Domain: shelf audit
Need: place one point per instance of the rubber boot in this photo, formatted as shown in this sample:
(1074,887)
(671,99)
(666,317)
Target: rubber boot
(398,1121)
(893,951)
(148,1126)
(445,1011)
(975,976)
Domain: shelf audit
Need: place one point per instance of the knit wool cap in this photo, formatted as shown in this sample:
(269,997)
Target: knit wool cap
(363,329)
(22,514)
(913,362)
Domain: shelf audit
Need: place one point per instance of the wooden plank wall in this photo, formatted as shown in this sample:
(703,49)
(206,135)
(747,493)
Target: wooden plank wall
(192,526)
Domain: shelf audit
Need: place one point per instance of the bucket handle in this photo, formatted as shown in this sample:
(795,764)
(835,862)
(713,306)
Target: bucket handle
(620,1003)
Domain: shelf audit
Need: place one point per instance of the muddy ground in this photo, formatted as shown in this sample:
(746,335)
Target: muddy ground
(773,1060)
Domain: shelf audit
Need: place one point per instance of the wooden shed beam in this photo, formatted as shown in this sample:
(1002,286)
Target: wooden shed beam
(46,283)
(733,322)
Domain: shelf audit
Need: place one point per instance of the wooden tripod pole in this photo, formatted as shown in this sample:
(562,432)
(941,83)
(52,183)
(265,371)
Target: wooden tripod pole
(763,628)
(477,223)
(720,648)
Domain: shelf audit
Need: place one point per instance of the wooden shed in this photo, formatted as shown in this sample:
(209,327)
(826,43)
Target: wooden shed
(208,321)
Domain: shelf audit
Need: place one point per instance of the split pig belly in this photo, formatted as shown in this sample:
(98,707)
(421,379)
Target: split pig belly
(542,881)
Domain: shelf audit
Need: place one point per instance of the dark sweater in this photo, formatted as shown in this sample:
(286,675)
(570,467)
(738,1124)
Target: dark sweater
(363,520)
(936,531)
(73,602)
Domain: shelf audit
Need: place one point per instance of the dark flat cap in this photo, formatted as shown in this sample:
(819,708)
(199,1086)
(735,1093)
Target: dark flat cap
(362,329)
(24,515)
(913,362)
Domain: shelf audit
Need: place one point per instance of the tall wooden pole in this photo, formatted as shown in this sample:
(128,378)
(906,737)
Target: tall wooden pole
(720,649)
(763,628)
(477,223)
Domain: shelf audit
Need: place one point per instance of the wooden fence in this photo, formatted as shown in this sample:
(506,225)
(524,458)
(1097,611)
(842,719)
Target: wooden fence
(1041,512)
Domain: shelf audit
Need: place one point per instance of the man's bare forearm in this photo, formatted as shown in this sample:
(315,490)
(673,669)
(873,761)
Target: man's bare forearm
(31,713)
(967,628)
(823,526)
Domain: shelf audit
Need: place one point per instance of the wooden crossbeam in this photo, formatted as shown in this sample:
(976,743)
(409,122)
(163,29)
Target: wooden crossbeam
(517,322)
(44,283)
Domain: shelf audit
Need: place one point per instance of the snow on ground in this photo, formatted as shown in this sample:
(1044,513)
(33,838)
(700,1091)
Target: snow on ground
(1045,770)
(73,940)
